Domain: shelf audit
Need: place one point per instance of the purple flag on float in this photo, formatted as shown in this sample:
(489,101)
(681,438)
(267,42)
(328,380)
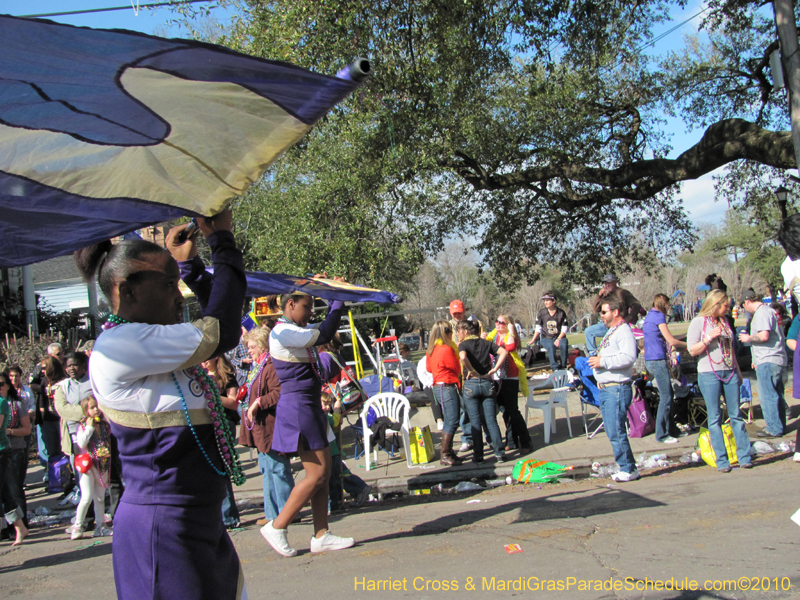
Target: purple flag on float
(104,132)
(266,284)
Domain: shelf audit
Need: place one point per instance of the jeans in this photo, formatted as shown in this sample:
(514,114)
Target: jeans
(614,403)
(276,473)
(517,435)
(447,396)
(549,345)
(770,396)
(352,484)
(595,331)
(464,424)
(660,371)
(712,388)
(482,409)
(49,440)
(230,512)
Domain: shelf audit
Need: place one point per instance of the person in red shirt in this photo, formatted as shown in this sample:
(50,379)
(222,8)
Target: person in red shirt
(443,363)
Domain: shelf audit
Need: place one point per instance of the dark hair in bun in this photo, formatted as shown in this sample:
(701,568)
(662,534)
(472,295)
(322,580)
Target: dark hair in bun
(111,263)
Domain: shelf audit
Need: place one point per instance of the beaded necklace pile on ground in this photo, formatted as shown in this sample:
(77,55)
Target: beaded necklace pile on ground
(222,430)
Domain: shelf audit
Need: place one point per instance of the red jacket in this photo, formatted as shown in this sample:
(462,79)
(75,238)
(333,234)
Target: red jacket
(443,363)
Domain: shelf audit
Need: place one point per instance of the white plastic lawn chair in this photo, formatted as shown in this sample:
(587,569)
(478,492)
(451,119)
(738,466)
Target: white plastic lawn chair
(394,406)
(557,398)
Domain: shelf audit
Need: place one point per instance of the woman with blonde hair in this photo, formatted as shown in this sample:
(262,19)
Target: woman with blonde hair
(512,380)
(710,339)
(658,344)
(260,404)
(443,363)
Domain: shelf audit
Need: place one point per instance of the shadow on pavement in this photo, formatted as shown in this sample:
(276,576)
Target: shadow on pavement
(573,504)
(62,558)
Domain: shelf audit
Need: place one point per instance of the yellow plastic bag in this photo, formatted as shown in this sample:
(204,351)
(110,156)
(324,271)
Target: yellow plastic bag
(422,445)
(707,451)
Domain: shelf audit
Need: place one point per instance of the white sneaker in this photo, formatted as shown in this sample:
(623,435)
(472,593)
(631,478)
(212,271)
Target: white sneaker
(623,476)
(76,534)
(73,528)
(277,539)
(102,531)
(330,542)
(797,457)
(669,440)
(465,447)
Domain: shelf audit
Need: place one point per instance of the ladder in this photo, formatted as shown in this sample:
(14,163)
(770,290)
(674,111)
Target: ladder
(354,341)
(394,361)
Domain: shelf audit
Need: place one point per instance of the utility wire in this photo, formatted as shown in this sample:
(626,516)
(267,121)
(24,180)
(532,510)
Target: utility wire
(660,37)
(99,10)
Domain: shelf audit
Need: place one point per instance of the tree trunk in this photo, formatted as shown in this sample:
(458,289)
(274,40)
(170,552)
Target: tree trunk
(787,34)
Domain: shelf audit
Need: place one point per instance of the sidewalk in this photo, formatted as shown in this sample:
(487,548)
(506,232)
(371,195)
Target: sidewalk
(393,474)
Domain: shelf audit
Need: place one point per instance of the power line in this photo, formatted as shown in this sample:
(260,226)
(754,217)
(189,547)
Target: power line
(660,37)
(110,9)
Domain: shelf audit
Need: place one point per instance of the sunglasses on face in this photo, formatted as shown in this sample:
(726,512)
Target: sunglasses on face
(604,312)
(499,322)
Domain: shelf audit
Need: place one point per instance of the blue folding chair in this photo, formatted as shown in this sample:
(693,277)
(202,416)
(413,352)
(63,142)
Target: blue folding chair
(589,394)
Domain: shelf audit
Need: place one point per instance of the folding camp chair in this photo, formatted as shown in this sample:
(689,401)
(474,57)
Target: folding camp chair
(589,394)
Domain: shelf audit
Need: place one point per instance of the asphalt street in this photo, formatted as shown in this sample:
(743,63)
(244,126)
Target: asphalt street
(679,527)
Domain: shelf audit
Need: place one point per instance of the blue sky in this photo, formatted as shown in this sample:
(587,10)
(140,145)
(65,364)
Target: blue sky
(698,195)
(143,20)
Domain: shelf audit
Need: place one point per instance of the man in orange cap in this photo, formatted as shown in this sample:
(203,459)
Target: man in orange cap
(457,312)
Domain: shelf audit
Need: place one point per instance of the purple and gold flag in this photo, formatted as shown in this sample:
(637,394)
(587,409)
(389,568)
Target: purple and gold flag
(103,132)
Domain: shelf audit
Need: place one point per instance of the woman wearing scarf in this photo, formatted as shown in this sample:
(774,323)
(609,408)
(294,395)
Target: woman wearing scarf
(512,381)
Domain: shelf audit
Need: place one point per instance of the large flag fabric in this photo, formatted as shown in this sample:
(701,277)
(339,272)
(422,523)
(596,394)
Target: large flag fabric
(266,284)
(103,132)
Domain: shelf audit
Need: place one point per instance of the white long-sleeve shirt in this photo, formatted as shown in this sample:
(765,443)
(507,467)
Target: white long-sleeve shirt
(617,356)
(85,433)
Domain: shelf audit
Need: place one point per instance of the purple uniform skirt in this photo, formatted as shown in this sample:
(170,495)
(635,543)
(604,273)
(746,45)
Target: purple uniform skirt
(165,552)
(300,422)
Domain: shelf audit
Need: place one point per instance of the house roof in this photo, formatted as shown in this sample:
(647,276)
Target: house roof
(61,269)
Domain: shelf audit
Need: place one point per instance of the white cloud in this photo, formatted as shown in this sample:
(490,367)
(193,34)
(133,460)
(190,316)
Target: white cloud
(698,199)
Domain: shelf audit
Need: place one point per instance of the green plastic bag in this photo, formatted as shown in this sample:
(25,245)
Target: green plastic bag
(537,471)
